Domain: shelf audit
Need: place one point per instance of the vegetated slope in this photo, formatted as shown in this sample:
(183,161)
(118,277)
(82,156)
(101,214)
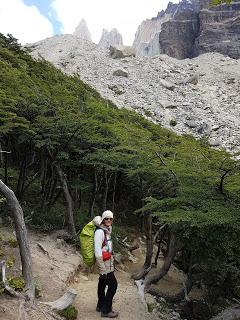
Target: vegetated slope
(206,106)
(115,159)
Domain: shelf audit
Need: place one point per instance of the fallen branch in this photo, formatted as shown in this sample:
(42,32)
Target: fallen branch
(43,249)
(140,285)
(63,302)
(6,284)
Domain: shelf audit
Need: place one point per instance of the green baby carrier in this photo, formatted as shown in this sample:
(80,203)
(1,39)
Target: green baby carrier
(87,241)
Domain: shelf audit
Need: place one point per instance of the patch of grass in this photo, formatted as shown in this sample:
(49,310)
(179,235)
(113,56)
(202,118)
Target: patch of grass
(70,313)
(17,283)
(150,306)
(12,242)
(10,262)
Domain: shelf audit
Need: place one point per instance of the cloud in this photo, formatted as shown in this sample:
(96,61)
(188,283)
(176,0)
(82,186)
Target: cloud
(23,22)
(125,15)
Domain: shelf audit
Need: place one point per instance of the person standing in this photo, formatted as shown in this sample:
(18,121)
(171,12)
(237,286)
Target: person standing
(103,249)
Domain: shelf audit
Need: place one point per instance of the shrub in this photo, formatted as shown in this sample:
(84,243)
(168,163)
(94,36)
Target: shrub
(173,122)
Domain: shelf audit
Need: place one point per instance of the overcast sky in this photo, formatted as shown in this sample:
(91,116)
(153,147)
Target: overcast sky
(33,20)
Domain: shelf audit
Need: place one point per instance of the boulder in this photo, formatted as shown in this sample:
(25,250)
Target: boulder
(120,52)
(120,73)
(167,84)
(167,104)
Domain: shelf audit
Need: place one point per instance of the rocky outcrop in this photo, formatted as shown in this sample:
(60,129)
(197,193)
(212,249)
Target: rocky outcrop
(220,30)
(112,38)
(82,31)
(190,28)
(178,34)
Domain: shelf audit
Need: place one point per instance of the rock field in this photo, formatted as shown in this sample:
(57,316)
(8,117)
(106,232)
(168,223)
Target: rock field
(199,96)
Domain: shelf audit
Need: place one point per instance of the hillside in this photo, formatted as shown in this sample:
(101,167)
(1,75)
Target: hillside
(198,96)
(69,154)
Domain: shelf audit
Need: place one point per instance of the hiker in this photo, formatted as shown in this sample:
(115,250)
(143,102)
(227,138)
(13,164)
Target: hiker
(105,262)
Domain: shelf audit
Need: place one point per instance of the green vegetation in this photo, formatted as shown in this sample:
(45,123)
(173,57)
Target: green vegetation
(70,313)
(173,122)
(12,242)
(62,134)
(217,2)
(17,283)
(10,262)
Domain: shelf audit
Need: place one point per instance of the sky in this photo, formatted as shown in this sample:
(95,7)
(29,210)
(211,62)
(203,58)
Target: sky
(34,20)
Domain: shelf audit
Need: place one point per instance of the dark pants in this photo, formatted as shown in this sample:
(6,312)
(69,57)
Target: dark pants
(105,299)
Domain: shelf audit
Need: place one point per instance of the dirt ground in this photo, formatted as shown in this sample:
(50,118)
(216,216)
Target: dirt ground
(58,266)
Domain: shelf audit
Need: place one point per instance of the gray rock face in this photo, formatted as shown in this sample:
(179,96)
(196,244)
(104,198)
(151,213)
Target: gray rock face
(190,28)
(220,30)
(82,31)
(112,38)
(209,107)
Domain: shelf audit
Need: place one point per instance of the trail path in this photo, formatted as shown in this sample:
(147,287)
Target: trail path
(126,300)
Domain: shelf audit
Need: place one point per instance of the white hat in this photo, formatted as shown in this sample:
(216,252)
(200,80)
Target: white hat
(97,221)
(107,214)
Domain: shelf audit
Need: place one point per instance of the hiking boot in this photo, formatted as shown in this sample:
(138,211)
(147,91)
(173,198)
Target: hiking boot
(98,309)
(111,314)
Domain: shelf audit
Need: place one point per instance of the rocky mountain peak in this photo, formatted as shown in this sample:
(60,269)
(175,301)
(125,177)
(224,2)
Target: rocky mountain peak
(82,31)
(111,38)
(190,28)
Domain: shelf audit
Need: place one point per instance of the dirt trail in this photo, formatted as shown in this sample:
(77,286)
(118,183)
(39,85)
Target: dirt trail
(126,300)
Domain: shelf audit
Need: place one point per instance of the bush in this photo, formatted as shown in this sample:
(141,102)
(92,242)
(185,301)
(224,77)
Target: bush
(173,122)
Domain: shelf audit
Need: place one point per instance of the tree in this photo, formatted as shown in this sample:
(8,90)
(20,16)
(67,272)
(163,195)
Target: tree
(21,233)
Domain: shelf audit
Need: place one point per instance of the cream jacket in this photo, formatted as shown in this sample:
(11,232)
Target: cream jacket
(99,237)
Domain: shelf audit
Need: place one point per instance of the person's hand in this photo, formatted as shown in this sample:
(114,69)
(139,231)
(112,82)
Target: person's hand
(103,276)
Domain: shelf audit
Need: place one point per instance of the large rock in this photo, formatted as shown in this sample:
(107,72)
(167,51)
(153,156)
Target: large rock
(120,73)
(119,52)
(112,38)
(82,31)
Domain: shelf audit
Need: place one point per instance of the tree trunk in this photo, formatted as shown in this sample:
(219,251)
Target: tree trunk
(94,193)
(161,231)
(106,187)
(172,250)
(6,168)
(68,198)
(21,179)
(114,191)
(149,245)
(1,155)
(21,233)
